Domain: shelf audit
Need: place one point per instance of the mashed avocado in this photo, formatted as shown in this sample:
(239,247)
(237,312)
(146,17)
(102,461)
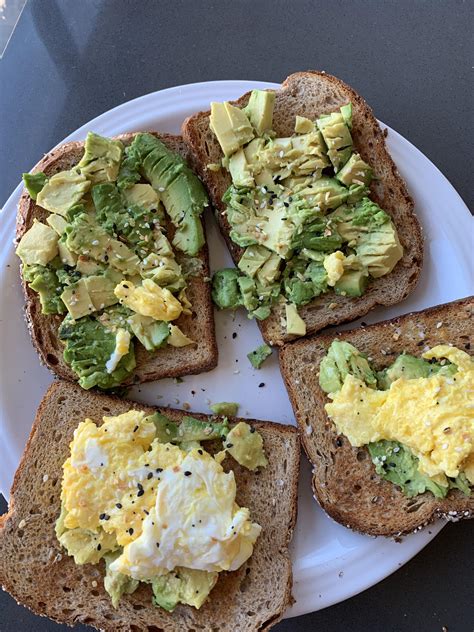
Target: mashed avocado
(431,388)
(101,528)
(292,200)
(104,242)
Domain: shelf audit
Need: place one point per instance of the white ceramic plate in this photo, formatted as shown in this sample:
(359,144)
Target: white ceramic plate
(330,562)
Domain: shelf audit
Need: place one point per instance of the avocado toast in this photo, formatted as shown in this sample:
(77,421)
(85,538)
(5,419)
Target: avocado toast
(195,322)
(36,569)
(355,485)
(346,162)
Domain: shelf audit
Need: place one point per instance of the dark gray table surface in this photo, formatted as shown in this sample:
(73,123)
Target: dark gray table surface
(68,61)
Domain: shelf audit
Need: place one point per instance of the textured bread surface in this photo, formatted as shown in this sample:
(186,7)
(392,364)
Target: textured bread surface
(344,479)
(167,362)
(311,94)
(36,570)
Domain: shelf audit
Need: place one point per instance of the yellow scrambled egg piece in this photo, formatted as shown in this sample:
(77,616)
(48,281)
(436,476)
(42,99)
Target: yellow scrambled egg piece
(121,479)
(334,266)
(433,416)
(122,347)
(149,299)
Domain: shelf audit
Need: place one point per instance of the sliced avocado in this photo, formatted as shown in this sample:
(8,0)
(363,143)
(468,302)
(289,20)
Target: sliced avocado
(77,300)
(239,170)
(191,429)
(39,245)
(346,111)
(129,172)
(337,136)
(252,154)
(89,345)
(142,194)
(101,159)
(87,266)
(182,585)
(231,127)
(304,125)
(379,250)
(325,193)
(355,171)
(151,333)
(57,223)
(259,355)
(396,463)
(166,430)
(67,257)
(189,236)
(294,323)
(161,245)
(259,110)
(246,446)
(86,237)
(44,280)
(225,408)
(248,291)
(352,283)
(62,191)
(270,271)
(101,290)
(410,367)
(343,359)
(117,584)
(34,183)
(253,259)
(225,288)
(162,270)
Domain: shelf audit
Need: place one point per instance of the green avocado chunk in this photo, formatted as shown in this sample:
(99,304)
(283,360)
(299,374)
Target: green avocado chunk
(89,346)
(180,189)
(341,360)
(34,183)
(337,136)
(259,355)
(396,463)
(190,429)
(259,110)
(246,446)
(352,282)
(231,126)
(62,191)
(129,172)
(410,367)
(182,585)
(355,171)
(39,245)
(225,408)
(101,159)
(253,259)
(45,281)
(152,333)
(117,584)
(225,288)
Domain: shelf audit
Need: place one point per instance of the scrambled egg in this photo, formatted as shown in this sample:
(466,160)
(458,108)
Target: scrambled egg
(122,347)
(149,299)
(334,266)
(432,416)
(165,506)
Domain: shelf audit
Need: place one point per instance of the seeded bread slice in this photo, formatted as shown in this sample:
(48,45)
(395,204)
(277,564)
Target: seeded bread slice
(344,479)
(167,362)
(311,94)
(35,569)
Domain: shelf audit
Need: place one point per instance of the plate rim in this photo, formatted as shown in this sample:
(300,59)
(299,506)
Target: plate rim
(307,604)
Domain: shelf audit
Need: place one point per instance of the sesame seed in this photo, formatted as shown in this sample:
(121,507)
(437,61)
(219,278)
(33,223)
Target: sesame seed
(45,478)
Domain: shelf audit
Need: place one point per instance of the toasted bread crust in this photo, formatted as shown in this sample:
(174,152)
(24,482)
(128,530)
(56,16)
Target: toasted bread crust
(166,362)
(311,94)
(344,479)
(38,573)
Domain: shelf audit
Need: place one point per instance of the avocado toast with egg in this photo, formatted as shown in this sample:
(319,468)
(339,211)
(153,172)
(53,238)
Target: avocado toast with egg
(313,209)
(36,568)
(156,229)
(397,388)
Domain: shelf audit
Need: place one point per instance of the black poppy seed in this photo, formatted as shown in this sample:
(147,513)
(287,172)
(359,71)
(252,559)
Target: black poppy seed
(157,545)
(147,465)
(146,512)
(339,442)
(234,335)
(286,204)
(261,385)
(187,473)
(252,429)
(119,505)
(102,516)
(229,445)
(135,429)
(140,492)
(200,452)
(150,475)
(158,470)
(99,546)
(131,530)
(140,486)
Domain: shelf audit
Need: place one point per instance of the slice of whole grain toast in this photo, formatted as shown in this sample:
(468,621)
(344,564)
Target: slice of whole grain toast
(36,570)
(166,362)
(311,94)
(344,479)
